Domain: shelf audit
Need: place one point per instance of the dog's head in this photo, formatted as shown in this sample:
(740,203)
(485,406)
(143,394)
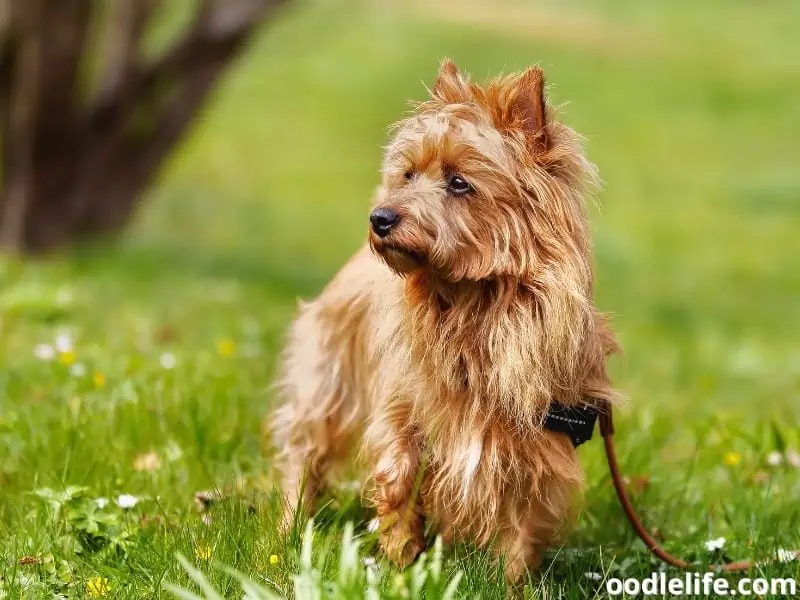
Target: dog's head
(481,183)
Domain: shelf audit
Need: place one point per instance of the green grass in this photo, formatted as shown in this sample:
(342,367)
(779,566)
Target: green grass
(691,113)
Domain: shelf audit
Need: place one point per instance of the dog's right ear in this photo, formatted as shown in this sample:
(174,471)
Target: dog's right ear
(529,109)
(450,87)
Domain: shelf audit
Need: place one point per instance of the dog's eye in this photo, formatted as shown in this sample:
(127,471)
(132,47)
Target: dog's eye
(458,186)
(409,175)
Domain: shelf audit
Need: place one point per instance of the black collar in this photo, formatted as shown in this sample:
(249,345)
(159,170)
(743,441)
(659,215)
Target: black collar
(575,421)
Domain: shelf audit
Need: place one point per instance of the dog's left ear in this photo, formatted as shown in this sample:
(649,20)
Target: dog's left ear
(528,109)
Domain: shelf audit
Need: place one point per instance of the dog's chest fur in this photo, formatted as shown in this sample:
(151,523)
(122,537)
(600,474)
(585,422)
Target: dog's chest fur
(476,385)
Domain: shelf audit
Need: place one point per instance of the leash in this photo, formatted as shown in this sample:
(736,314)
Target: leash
(607,432)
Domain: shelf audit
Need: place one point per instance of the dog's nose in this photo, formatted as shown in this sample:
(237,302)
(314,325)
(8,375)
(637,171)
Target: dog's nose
(383,219)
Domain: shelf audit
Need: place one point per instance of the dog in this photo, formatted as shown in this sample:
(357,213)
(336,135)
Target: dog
(440,347)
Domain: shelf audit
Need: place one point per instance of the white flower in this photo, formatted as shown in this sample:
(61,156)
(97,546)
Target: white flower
(251,351)
(774,458)
(785,556)
(373,525)
(78,370)
(64,297)
(370,562)
(44,352)
(127,501)
(593,576)
(63,343)
(716,544)
(101,503)
(167,361)
(173,451)
(793,458)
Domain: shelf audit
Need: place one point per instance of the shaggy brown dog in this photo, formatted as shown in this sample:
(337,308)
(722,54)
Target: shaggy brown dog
(440,351)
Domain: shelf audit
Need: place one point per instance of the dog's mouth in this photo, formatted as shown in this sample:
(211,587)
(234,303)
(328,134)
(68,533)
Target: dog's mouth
(404,252)
(402,260)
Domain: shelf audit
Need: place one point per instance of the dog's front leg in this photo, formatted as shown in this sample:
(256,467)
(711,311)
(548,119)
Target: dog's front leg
(398,476)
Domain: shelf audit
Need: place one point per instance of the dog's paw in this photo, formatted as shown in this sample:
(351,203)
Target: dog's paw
(401,538)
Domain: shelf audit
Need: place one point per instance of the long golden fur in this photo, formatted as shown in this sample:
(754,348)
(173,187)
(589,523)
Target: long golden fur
(438,349)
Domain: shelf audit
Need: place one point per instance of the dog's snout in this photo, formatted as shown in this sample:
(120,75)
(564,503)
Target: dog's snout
(383,219)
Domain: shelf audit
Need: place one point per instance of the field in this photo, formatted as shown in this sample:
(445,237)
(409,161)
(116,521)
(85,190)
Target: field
(139,372)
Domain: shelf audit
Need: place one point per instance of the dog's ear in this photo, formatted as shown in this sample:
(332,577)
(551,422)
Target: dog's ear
(450,87)
(529,109)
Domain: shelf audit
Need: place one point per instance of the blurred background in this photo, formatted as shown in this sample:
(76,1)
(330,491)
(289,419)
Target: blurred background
(165,222)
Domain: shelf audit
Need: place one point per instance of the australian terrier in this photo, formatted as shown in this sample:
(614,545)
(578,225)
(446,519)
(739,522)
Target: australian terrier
(440,347)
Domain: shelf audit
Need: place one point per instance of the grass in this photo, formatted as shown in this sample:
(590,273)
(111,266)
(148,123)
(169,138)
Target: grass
(691,113)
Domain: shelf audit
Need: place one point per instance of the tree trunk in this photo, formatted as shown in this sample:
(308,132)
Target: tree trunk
(76,158)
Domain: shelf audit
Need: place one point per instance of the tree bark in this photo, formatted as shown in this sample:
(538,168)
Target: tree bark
(76,161)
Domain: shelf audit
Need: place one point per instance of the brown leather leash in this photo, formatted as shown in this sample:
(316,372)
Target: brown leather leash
(607,431)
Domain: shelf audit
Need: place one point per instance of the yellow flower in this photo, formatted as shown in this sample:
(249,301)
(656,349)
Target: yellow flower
(226,347)
(732,458)
(67,358)
(99,380)
(98,587)
(274,559)
(202,552)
